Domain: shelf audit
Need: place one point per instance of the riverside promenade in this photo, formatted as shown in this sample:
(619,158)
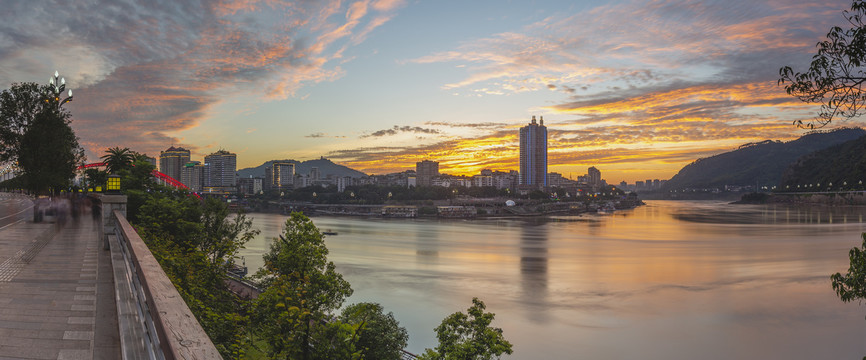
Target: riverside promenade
(56,288)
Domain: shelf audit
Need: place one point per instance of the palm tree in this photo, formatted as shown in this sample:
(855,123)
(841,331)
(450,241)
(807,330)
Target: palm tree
(116,159)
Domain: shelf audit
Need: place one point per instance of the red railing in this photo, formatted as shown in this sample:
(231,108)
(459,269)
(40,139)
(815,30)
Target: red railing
(165,178)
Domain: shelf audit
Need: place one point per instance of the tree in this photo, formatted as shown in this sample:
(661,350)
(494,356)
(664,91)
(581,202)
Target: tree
(302,288)
(49,154)
(469,337)
(836,75)
(378,335)
(852,286)
(195,244)
(18,108)
(94,177)
(35,132)
(117,159)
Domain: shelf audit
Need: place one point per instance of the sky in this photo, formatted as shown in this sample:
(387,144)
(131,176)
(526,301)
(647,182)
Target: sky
(638,89)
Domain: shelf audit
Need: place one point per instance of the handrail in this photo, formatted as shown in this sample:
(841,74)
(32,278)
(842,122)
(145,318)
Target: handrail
(179,334)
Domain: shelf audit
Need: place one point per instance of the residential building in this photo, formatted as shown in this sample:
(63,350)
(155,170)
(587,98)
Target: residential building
(172,160)
(342,182)
(220,172)
(593,176)
(533,154)
(192,175)
(250,185)
(482,180)
(279,176)
(425,172)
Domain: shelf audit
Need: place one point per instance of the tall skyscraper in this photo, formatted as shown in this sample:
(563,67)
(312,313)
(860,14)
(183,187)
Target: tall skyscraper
(533,154)
(172,160)
(425,171)
(220,172)
(280,176)
(593,176)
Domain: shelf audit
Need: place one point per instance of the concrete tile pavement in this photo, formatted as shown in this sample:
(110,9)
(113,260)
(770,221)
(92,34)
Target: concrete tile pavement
(56,293)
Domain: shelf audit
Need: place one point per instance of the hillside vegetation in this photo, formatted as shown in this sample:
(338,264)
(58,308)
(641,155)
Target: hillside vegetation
(842,165)
(762,163)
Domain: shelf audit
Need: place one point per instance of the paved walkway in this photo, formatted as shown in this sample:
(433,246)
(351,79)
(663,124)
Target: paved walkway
(56,292)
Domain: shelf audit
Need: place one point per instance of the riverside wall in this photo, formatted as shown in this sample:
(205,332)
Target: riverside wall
(850,198)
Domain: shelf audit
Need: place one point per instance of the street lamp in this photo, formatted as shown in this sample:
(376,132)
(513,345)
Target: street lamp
(58,85)
(112,186)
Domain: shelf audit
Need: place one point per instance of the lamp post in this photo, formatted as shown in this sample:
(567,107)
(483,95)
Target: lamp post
(112,186)
(58,86)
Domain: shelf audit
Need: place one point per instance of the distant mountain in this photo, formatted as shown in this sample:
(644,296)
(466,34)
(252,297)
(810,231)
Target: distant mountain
(761,163)
(839,164)
(326,167)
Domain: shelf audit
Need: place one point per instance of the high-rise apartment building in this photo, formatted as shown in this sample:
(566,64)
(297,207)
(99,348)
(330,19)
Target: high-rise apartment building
(425,171)
(280,176)
(533,154)
(192,175)
(593,176)
(172,160)
(220,172)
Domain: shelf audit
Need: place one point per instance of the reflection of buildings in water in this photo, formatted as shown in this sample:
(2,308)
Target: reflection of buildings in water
(533,268)
(427,241)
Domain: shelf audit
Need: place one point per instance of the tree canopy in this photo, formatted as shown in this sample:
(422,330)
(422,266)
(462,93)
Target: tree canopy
(469,336)
(303,288)
(852,285)
(378,335)
(836,75)
(35,133)
(117,159)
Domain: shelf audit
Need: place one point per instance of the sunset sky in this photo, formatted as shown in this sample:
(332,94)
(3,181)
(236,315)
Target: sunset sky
(636,88)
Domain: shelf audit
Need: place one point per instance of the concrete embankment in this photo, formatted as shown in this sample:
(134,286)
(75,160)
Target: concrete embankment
(823,198)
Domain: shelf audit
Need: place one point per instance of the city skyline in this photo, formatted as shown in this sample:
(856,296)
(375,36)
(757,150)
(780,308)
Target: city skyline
(638,89)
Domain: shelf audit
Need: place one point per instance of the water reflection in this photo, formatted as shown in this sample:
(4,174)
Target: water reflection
(533,269)
(731,281)
(427,245)
(723,213)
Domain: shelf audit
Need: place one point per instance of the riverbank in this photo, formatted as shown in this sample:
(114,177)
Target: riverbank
(840,198)
(462,209)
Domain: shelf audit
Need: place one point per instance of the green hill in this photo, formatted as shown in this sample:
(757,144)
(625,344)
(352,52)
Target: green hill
(762,163)
(843,165)
(326,167)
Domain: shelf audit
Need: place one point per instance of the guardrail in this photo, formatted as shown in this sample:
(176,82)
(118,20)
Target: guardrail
(153,319)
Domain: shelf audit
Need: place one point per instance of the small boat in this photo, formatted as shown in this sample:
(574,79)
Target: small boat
(329,232)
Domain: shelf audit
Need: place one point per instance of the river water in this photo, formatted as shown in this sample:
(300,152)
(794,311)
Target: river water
(669,280)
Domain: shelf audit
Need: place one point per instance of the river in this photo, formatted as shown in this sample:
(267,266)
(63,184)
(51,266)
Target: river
(669,280)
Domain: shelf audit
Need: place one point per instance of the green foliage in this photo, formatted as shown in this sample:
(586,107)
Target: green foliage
(379,335)
(19,106)
(195,244)
(302,288)
(94,177)
(469,336)
(763,162)
(49,152)
(843,165)
(852,286)
(836,75)
(35,132)
(117,159)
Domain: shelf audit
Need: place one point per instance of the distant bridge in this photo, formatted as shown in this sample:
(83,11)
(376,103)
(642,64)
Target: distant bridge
(165,178)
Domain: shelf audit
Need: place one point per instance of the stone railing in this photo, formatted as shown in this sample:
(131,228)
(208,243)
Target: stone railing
(154,321)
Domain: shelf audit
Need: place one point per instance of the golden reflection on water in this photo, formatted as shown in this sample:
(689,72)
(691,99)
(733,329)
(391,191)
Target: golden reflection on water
(666,280)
